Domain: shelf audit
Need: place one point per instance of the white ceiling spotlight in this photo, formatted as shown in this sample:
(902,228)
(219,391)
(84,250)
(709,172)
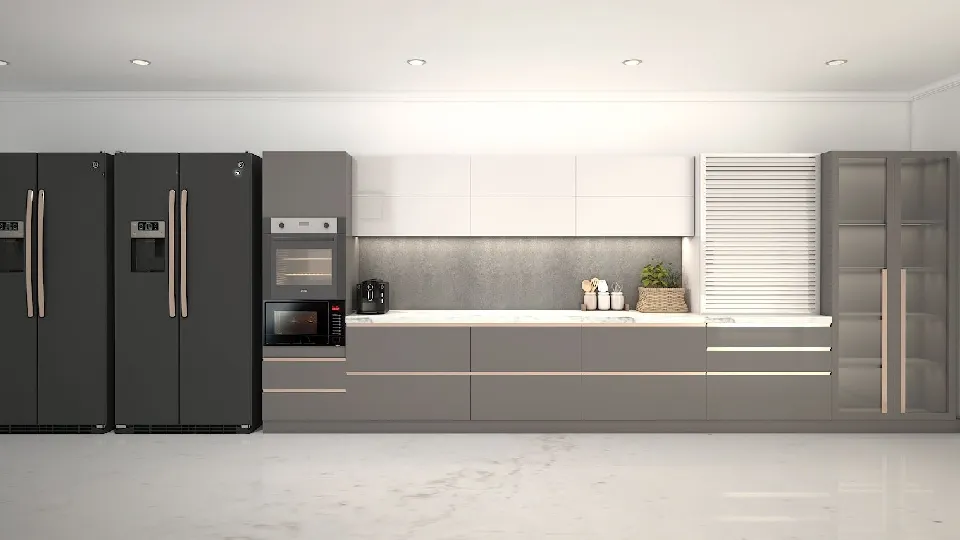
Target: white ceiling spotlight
(416,61)
(632,62)
(140,62)
(836,62)
(4,63)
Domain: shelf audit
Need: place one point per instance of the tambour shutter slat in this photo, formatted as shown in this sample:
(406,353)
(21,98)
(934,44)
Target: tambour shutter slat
(760,233)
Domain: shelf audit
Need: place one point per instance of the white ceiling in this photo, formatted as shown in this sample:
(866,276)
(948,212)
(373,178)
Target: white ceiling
(477,45)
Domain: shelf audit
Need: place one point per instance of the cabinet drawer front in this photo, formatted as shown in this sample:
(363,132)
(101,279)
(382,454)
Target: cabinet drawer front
(768,397)
(644,397)
(644,349)
(409,397)
(408,349)
(294,406)
(529,349)
(304,375)
(800,336)
(525,397)
(769,361)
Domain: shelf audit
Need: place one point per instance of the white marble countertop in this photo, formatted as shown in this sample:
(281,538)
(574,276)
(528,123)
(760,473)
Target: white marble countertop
(579,318)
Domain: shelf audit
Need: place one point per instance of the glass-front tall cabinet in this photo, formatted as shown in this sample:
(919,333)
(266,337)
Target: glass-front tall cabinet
(889,274)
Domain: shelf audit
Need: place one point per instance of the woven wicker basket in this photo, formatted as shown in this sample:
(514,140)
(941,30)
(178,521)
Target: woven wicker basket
(662,301)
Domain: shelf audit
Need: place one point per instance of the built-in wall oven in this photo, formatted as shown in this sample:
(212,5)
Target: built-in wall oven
(313,323)
(304,258)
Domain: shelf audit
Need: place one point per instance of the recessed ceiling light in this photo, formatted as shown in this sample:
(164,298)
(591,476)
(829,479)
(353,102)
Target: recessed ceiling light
(4,63)
(632,62)
(416,61)
(139,62)
(837,62)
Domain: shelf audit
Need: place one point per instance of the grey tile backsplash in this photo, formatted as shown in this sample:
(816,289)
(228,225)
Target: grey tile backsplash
(507,273)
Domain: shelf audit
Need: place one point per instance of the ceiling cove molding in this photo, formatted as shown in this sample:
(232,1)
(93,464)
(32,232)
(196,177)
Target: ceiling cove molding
(464,97)
(937,87)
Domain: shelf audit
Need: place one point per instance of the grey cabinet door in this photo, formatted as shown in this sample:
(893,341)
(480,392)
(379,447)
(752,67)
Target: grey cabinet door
(18,361)
(405,373)
(401,349)
(644,349)
(219,336)
(307,184)
(768,397)
(644,397)
(147,371)
(515,356)
(75,335)
(525,397)
(525,348)
(796,336)
(409,397)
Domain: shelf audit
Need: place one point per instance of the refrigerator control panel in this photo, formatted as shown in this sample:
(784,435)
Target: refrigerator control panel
(11,229)
(148,229)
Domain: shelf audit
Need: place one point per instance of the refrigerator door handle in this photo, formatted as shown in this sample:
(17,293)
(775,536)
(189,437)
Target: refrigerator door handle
(183,253)
(41,296)
(28,253)
(171,279)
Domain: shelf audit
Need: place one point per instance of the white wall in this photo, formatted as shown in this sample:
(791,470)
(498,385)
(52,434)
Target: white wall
(936,121)
(371,126)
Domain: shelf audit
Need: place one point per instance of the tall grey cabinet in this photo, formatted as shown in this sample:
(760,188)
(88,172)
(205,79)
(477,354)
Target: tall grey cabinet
(889,277)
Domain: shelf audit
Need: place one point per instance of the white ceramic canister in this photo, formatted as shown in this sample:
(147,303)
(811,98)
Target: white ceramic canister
(616,301)
(590,300)
(603,301)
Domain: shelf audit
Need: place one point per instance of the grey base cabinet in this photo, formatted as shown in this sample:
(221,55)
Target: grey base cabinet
(646,373)
(525,373)
(408,373)
(623,397)
(769,397)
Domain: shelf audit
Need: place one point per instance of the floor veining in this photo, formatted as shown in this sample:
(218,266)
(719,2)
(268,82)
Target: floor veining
(480,486)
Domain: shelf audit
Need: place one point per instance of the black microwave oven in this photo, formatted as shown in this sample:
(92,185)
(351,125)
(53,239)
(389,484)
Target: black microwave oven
(309,323)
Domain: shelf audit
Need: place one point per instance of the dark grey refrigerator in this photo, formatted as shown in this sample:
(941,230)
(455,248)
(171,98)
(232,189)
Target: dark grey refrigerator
(187,293)
(56,320)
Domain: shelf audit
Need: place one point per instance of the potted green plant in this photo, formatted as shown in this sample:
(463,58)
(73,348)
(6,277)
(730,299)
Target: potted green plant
(661,289)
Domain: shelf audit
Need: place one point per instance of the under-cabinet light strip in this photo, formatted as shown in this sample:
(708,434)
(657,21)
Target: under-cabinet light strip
(768,349)
(305,390)
(777,373)
(304,359)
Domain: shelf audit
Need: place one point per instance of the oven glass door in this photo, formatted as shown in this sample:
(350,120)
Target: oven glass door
(296,323)
(299,268)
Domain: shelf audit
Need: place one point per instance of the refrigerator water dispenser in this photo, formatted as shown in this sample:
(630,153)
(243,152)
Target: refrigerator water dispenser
(148,241)
(12,246)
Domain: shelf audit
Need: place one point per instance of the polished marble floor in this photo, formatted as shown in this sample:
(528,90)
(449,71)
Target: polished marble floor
(480,486)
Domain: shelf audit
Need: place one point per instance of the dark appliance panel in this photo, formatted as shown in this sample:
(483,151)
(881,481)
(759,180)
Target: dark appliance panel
(18,317)
(74,289)
(304,258)
(219,322)
(147,308)
(317,323)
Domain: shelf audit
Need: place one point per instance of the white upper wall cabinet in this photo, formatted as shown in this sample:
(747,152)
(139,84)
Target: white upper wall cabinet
(523,176)
(523,216)
(635,216)
(411,216)
(446,176)
(635,176)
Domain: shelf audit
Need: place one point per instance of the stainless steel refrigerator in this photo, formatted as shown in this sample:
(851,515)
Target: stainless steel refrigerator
(187,293)
(56,320)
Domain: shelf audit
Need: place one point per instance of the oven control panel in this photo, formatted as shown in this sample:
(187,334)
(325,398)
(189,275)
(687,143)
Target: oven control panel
(295,225)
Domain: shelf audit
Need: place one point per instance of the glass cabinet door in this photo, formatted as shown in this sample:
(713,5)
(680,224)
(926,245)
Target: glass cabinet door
(924,295)
(861,208)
